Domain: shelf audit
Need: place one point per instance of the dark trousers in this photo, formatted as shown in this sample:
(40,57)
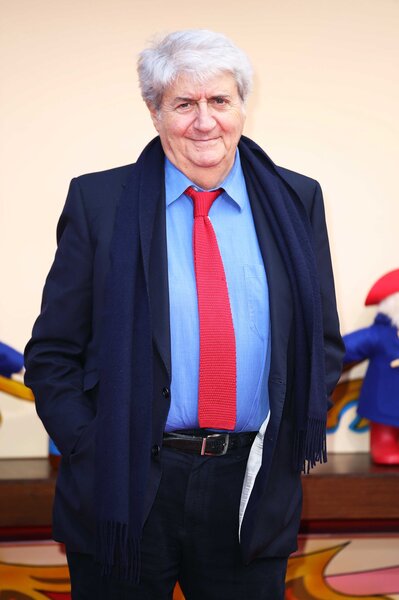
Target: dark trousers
(190,536)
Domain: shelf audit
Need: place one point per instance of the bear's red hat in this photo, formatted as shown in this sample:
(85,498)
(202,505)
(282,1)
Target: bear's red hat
(385,286)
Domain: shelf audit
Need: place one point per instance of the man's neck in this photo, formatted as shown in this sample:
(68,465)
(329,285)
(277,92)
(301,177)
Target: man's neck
(207,178)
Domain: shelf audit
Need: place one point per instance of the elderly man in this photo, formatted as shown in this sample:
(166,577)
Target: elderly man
(186,348)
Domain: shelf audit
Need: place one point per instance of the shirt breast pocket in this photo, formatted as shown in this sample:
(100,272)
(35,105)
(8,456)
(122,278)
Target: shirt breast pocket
(257,299)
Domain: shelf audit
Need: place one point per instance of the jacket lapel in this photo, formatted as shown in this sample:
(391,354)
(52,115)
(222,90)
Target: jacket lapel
(152,224)
(280,298)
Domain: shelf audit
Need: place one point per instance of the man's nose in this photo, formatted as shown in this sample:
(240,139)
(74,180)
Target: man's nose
(204,119)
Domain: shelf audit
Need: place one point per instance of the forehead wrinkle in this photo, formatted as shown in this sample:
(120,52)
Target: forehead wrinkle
(186,87)
(191,97)
(216,95)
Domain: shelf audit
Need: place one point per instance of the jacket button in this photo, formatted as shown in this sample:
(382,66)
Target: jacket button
(165,393)
(155,450)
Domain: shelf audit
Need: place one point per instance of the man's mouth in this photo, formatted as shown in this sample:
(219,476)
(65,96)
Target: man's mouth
(204,141)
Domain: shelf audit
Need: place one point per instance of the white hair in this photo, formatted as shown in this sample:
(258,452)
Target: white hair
(199,53)
(390,307)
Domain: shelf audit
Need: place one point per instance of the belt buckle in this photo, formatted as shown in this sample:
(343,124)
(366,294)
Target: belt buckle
(215,435)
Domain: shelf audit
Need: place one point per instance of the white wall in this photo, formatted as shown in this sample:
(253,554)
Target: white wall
(325,103)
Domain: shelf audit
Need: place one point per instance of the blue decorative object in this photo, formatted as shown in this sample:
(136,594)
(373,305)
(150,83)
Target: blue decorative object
(11,361)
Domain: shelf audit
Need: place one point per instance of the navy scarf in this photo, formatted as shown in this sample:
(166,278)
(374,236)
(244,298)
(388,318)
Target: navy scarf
(124,415)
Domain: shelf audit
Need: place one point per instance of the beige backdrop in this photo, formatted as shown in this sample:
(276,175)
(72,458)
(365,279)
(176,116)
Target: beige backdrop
(325,103)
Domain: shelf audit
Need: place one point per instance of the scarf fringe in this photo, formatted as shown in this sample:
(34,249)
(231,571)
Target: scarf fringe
(310,446)
(117,552)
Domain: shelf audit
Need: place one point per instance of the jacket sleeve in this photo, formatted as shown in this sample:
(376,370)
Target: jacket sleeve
(55,355)
(333,344)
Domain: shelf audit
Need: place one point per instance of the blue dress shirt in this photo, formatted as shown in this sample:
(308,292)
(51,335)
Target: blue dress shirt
(232,220)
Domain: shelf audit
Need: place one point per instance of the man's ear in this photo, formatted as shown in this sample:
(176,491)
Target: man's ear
(154,112)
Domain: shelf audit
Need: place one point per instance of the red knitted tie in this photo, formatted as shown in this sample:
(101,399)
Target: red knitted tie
(217,370)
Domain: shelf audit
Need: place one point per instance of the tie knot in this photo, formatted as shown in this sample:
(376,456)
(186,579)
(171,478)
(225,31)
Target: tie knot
(202,200)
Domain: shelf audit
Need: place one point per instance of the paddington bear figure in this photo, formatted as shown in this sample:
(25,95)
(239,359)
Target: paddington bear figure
(379,343)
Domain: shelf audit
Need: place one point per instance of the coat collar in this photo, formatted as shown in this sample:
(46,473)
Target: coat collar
(152,224)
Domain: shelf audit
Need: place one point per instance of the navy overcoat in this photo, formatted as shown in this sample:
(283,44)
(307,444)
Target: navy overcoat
(62,358)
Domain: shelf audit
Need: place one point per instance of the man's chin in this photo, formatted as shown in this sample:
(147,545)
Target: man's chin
(207,160)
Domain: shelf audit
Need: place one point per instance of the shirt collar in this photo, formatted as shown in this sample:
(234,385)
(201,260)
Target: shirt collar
(234,184)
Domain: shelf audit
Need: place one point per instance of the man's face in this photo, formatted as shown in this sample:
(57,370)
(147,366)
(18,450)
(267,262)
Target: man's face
(200,126)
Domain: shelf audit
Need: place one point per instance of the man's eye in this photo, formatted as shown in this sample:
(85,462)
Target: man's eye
(220,101)
(184,106)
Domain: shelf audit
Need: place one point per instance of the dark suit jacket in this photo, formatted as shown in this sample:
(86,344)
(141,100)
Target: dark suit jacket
(62,356)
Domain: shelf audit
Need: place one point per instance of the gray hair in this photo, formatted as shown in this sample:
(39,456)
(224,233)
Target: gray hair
(199,53)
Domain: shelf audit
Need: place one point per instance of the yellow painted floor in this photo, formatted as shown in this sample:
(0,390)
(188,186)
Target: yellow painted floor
(325,568)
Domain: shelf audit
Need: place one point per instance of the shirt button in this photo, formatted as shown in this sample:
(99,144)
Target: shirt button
(165,393)
(155,450)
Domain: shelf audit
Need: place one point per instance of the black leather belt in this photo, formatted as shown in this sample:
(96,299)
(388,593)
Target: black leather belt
(206,443)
